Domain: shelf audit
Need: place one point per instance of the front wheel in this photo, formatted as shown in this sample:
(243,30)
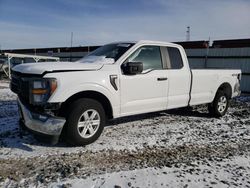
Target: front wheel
(219,106)
(85,122)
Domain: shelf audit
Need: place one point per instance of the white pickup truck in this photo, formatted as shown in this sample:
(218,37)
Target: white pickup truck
(75,99)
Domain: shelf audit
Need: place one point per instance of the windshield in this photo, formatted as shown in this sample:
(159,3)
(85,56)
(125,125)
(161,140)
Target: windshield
(114,51)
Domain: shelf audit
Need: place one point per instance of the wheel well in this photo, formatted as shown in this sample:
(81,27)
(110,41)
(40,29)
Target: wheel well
(226,88)
(92,95)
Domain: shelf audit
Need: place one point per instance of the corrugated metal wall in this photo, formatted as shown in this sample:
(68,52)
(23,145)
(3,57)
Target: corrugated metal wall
(230,58)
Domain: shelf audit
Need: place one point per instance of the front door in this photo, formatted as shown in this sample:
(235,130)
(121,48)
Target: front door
(145,92)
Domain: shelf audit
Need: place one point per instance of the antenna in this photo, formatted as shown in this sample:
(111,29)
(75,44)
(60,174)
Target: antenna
(188,33)
(207,52)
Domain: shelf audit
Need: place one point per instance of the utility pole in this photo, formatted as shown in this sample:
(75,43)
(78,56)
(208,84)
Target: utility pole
(207,53)
(188,33)
(71,43)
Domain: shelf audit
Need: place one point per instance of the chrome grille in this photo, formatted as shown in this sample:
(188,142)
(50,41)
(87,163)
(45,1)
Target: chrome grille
(20,86)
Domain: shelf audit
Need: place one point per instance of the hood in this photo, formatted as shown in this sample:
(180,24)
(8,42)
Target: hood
(96,59)
(42,67)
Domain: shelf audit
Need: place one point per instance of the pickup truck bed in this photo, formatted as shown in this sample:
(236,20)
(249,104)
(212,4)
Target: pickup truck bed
(206,82)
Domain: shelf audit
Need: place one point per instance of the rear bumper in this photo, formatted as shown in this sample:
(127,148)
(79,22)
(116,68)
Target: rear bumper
(41,123)
(236,91)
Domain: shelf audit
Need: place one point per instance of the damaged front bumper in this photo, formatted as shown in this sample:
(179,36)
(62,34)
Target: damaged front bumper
(42,124)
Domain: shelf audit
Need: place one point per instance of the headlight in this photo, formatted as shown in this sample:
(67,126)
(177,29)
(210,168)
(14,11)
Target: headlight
(41,90)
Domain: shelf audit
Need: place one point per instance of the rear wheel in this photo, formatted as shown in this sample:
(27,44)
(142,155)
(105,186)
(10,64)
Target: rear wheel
(219,106)
(85,122)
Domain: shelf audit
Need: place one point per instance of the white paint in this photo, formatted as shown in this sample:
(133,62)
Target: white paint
(136,93)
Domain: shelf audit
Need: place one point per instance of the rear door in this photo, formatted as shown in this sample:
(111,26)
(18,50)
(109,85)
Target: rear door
(179,77)
(145,92)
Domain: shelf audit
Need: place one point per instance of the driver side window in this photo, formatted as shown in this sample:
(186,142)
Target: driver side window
(150,56)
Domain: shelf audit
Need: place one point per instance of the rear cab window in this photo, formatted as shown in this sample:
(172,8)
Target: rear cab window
(173,58)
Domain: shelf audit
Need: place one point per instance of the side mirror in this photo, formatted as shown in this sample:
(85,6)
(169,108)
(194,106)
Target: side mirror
(132,68)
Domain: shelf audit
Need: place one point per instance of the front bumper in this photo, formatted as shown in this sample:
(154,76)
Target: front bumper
(41,123)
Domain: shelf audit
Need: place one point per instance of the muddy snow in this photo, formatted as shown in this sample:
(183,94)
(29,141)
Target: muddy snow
(177,148)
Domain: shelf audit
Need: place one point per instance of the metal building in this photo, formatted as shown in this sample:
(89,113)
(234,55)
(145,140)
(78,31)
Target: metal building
(231,54)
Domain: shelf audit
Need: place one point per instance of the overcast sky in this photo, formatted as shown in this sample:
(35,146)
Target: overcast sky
(49,23)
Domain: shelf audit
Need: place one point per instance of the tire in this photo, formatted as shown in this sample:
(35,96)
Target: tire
(219,106)
(85,122)
(22,128)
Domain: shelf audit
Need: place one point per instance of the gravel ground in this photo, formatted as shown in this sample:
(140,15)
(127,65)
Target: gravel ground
(177,148)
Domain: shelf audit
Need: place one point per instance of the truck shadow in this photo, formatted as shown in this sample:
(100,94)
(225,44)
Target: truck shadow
(184,112)
(189,112)
(25,141)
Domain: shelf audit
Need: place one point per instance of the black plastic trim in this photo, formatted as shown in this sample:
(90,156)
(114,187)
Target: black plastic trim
(112,81)
(162,79)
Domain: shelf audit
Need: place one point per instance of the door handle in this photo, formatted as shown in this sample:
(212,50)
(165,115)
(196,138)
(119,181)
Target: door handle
(162,79)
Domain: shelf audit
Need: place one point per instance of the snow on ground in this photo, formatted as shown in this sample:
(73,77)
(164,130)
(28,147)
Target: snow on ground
(148,142)
(5,93)
(213,174)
